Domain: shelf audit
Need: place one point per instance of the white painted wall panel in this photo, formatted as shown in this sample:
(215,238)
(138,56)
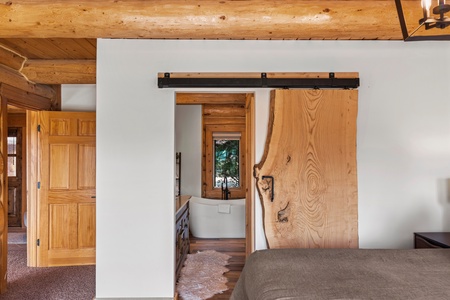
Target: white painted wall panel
(188,141)
(78,97)
(403,142)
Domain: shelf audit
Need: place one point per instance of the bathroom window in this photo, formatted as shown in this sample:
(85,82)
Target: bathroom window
(226,159)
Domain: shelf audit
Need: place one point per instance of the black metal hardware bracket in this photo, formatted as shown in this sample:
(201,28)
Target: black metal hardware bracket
(262,82)
(272,192)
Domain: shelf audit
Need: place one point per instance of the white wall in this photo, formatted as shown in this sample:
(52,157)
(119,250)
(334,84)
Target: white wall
(135,176)
(403,143)
(188,141)
(78,97)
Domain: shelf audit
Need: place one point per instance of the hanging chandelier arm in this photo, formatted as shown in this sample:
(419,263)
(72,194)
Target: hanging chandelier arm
(421,24)
(401,18)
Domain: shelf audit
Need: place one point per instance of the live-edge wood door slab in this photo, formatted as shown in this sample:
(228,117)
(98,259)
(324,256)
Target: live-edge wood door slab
(307,177)
(66,190)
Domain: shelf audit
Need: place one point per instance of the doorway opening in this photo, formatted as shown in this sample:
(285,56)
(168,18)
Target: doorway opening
(215,135)
(208,116)
(16,170)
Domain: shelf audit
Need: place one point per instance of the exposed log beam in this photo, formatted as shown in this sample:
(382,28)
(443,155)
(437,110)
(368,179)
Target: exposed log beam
(206,19)
(15,79)
(60,71)
(208,98)
(11,59)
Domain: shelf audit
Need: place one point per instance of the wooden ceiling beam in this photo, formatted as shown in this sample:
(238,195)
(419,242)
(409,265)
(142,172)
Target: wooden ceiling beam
(15,79)
(11,58)
(205,19)
(71,71)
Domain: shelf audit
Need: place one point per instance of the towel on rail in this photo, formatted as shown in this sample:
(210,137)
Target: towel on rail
(224,209)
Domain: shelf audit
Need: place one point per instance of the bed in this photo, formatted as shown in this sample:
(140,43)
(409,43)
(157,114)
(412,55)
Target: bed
(345,274)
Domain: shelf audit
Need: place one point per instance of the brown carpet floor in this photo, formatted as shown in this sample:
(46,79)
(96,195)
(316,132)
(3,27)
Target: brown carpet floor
(56,283)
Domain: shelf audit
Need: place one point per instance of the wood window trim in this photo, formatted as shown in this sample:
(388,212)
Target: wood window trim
(209,190)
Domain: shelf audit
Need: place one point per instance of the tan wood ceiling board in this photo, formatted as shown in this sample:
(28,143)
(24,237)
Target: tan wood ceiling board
(207,19)
(42,48)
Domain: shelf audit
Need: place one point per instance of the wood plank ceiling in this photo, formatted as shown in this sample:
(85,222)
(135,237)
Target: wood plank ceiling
(54,42)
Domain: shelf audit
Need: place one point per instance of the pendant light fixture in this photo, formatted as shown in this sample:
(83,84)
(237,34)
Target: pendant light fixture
(434,18)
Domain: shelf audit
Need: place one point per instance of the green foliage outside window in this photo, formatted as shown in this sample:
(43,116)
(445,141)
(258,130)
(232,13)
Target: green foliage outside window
(226,164)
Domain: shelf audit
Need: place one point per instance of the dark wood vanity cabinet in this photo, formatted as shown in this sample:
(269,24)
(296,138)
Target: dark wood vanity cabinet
(182,237)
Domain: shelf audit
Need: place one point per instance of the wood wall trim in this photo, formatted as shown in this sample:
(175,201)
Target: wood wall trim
(250,157)
(207,19)
(24,99)
(32,179)
(17,120)
(3,195)
(221,111)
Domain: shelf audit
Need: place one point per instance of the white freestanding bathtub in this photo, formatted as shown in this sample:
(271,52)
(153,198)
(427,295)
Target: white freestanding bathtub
(211,218)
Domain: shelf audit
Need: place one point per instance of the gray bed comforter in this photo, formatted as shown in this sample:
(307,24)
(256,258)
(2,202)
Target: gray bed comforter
(345,274)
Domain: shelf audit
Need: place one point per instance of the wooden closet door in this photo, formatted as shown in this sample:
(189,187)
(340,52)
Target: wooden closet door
(310,158)
(66,194)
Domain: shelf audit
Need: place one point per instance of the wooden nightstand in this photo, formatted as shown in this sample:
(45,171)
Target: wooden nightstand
(431,240)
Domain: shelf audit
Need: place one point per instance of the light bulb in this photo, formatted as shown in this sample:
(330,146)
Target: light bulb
(427,4)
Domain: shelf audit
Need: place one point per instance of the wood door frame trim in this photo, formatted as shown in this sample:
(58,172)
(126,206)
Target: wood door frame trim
(32,179)
(250,157)
(25,96)
(4,195)
(248,99)
(32,99)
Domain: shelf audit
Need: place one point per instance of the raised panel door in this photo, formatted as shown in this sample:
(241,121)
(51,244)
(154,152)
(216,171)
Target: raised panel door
(67,189)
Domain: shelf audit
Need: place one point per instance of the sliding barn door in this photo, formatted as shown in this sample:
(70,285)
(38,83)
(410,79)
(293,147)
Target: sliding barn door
(307,176)
(66,189)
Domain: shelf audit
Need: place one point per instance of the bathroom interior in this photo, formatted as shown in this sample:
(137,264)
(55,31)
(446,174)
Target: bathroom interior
(211,167)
